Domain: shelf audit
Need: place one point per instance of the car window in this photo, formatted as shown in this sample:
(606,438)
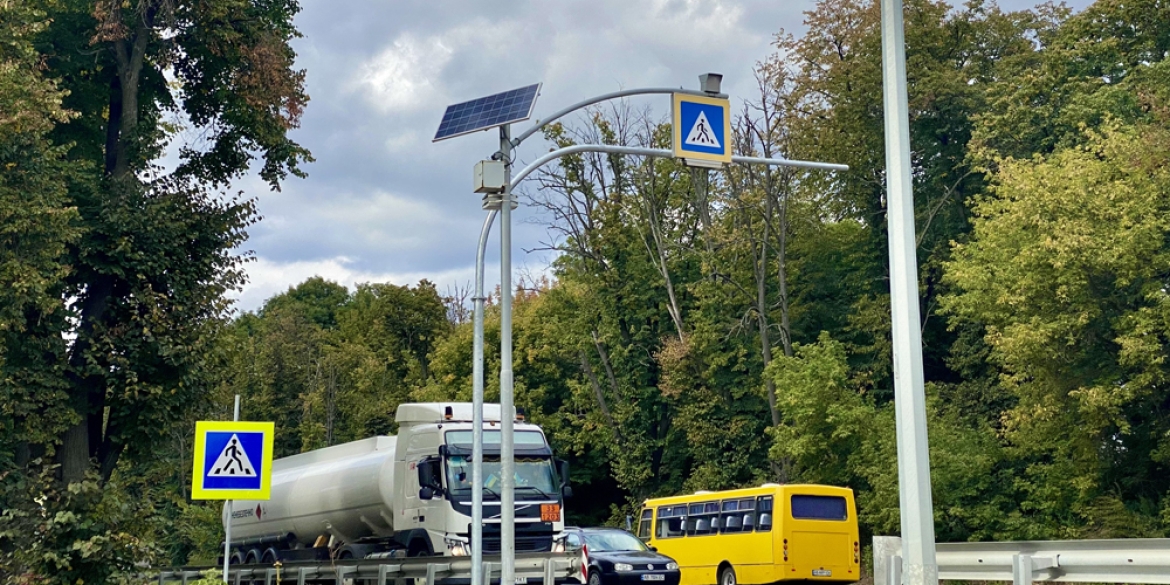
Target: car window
(573,542)
(612,540)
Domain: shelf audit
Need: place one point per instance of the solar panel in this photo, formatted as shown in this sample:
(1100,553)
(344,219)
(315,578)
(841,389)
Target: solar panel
(487,112)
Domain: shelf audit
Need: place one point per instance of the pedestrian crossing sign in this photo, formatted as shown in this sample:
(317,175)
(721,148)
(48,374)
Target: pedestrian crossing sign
(702,130)
(233,460)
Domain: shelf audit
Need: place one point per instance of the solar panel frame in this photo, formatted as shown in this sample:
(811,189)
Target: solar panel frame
(514,105)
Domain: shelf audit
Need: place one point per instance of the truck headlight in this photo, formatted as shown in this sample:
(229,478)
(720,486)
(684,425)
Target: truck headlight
(671,566)
(622,567)
(457,547)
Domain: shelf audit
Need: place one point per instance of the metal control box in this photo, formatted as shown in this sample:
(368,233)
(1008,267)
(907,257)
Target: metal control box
(489,176)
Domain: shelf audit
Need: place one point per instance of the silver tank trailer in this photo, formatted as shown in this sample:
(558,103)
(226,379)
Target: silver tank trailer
(345,490)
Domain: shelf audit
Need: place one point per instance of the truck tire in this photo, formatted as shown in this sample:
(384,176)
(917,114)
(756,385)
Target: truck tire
(270,556)
(418,548)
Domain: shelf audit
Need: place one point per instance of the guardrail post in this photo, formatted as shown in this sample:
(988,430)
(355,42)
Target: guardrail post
(431,574)
(885,548)
(550,577)
(1021,569)
(894,571)
(301,575)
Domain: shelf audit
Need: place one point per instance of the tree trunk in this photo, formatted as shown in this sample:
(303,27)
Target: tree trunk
(599,395)
(84,439)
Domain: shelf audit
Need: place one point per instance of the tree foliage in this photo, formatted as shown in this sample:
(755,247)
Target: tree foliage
(697,330)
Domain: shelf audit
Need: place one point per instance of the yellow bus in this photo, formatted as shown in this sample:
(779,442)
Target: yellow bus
(750,536)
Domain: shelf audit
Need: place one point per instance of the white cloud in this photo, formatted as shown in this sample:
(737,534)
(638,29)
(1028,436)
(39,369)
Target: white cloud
(402,77)
(268,278)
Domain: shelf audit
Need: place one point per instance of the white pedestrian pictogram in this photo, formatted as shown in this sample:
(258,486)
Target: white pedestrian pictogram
(233,461)
(701,133)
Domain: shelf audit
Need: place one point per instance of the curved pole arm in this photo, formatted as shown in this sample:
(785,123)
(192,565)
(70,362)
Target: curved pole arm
(477,415)
(662,153)
(601,98)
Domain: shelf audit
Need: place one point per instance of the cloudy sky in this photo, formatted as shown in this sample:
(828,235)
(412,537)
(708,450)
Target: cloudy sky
(385,204)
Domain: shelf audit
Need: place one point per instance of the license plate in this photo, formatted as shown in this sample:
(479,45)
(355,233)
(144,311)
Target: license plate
(653,578)
(550,512)
(822,573)
(521,580)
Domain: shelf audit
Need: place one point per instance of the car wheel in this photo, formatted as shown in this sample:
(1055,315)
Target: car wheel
(595,577)
(727,576)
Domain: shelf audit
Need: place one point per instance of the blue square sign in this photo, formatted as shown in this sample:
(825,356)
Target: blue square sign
(702,128)
(233,461)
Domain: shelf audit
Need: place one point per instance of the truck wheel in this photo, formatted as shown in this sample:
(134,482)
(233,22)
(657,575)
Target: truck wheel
(418,548)
(727,576)
(270,556)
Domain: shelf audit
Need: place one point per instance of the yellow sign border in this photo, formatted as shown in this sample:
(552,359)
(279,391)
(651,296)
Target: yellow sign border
(198,492)
(676,115)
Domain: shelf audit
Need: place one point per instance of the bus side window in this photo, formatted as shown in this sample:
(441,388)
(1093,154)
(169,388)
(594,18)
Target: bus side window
(730,521)
(671,521)
(747,507)
(764,513)
(645,523)
(701,517)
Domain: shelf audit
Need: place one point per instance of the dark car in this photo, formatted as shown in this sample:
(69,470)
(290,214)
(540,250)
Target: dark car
(616,557)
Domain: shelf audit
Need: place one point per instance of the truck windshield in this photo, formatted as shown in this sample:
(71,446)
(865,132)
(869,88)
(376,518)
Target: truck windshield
(535,479)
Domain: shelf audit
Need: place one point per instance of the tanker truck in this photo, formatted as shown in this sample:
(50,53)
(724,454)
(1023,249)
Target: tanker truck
(404,495)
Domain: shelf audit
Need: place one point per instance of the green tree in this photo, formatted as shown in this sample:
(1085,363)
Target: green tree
(156,251)
(37,223)
(1066,274)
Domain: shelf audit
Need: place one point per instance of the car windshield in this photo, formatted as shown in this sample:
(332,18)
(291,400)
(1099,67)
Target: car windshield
(534,477)
(612,540)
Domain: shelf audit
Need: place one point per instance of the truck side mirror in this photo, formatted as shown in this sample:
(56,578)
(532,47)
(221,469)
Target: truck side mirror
(426,493)
(566,492)
(428,475)
(563,469)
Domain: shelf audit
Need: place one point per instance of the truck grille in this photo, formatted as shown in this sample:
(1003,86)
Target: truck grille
(491,544)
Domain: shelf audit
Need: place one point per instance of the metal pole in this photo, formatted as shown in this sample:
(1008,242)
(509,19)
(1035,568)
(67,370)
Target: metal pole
(919,564)
(227,519)
(477,410)
(507,464)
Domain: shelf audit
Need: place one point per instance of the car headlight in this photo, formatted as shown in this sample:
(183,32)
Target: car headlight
(671,566)
(622,567)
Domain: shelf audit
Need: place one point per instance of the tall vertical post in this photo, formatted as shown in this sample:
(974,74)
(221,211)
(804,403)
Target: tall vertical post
(227,513)
(507,463)
(477,411)
(919,564)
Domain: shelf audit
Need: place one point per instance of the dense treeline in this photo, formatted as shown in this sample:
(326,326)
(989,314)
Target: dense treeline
(700,330)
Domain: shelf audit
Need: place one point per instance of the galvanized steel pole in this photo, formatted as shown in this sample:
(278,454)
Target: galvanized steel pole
(477,410)
(227,511)
(918,554)
(507,464)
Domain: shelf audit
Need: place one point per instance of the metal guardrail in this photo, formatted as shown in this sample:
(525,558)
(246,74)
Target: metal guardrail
(543,568)
(1129,560)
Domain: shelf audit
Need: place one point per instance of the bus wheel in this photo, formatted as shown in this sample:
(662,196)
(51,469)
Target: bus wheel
(727,576)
